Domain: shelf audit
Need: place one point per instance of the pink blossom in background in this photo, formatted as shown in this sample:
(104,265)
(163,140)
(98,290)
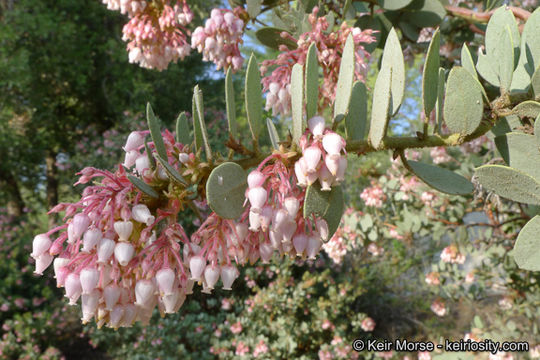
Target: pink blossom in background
(336,248)
(219,39)
(432,278)
(450,254)
(439,155)
(325,355)
(439,308)
(236,328)
(375,249)
(506,302)
(424,355)
(373,196)
(241,348)
(329,50)
(368,324)
(327,324)
(260,349)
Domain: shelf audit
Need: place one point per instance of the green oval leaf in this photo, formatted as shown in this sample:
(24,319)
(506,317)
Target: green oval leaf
(312,81)
(271,37)
(527,109)
(144,187)
(345,79)
(500,22)
(509,183)
(427,13)
(380,108)
(155,131)
(225,190)
(444,180)
(171,171)
(253,98)
(182,129)
(535,84)
(393,59)
(254,8)
(440,100)
(467,61)
(230,104)
(197,131)
(198,97)
(527,248)
(393,4)
(463,105)
(356,120)
(328,205)
(430,77)
(297,101)
(520,151)
(537,130)
(272,132)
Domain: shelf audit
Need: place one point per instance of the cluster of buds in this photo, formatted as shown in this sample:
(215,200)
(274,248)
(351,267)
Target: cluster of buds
(116,252)
(322,156)
(451,254)
(156,32)
(218,40)
(329,52)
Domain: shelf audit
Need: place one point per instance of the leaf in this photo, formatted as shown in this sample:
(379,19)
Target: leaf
(230,103)
(500,22)
(144,187)
(155,131)
(312,81)
(393,4)
(272,132)
(380,108)
(182,129)
(356,120)
(393,59)
(198,97)
(328,205)
(467,61)
(444,180)
(253,98)
(271,37)
(225,190)
(509,183)
(430,77)
(527,248)
(440,100)
(254,8)
(505,55)
(463,106)
(171,171)
(535,84)
(151,159)
(537,130)
(428,13)
(527,109)
(520,151)
(297,101)
(345,79)
(486,67)
(197,131)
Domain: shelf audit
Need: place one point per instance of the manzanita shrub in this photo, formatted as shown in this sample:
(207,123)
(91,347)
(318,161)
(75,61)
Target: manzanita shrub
(123,250)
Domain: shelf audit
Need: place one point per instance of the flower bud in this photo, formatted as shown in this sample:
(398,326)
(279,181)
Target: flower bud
(211,275)
(292,205)
(123,229)
(142,163)
(280,218)
(144,292)
(142,214)
(183,158)
(115,316)
(196,267)
(134,141)
(105,250)
(73,288)
(131,158)
(276,237)
(170,300)
(257,197)
(123,252)
(326,178)
(333,143)
(288,231)
(322,228)
(91,238)
(165,280)
(265,217)
(229,273)
(317,125)
(332,163)
(342,167)
(266,251)
(42,263)
(89,303)
(300,243)
(130,312)
(255,179)
(300,173)
(89,280)
(41,244)
(58,264)
(254,221)
(111,293)
(313,156)
(313,247)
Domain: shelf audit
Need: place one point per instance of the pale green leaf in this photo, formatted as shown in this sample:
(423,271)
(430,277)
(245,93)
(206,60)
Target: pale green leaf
(151,159)
(500,22)
(254,97)
(527,248)
(393,4)
(509,183)
(380,108)
(312,81)
(171,171)
(467,61)
(440,100)
(225,190)
(144,187)
(198,97)
(537,130)
(345,79)
(297,101)
(328,205)
(535,84)
(463,106)
(527,109)
(155,131)
(230,104)
(444,180)
(520,151)
(254,8)
(272,132)
(430,77)
(505,56)
(182,129)
(197,131)
(356,120)
(393,59)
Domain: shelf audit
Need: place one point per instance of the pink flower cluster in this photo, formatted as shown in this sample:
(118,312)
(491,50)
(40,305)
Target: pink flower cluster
(373,196)
(368,324)
(329,52)
(450,254)
(322,158)
(218,40)
(439,155)
(156,32)
(439,308)
(432,278)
